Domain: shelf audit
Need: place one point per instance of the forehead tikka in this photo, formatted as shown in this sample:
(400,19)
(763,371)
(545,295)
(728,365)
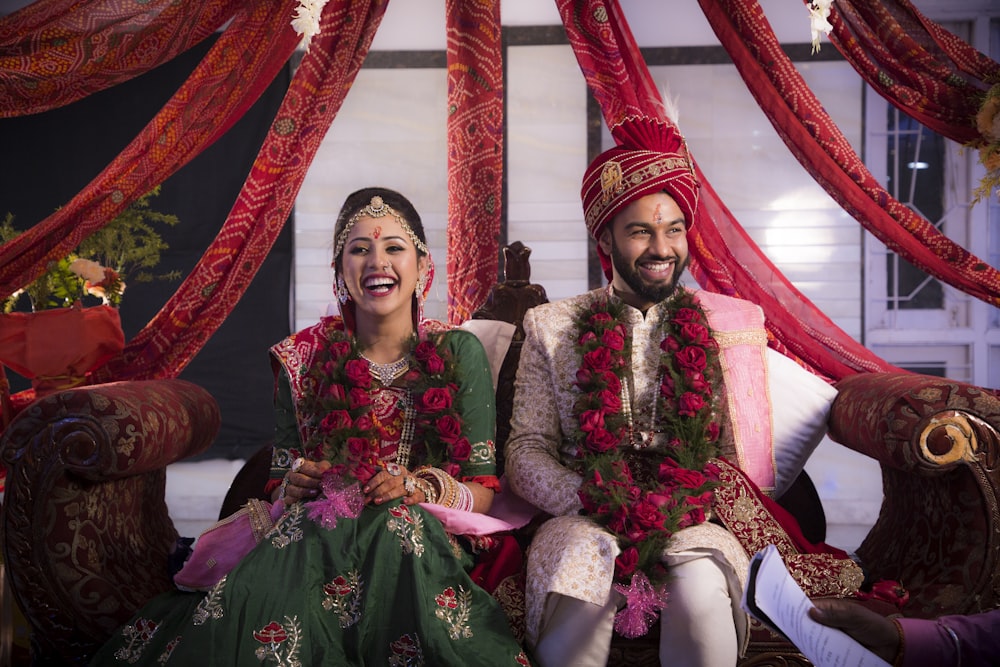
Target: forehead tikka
(377,208)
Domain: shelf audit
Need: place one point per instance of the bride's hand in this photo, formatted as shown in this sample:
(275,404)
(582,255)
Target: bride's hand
(302,482)
(391,482)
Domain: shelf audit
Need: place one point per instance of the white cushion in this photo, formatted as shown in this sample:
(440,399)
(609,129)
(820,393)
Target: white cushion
(495,335)
(800,407)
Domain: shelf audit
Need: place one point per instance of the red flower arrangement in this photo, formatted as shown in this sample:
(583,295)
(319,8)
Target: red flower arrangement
(641,499)
(341,427)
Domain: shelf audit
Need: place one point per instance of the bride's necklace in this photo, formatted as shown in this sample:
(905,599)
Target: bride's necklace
(387,373)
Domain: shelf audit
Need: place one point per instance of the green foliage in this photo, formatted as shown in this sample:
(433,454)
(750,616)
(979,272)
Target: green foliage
(129,246)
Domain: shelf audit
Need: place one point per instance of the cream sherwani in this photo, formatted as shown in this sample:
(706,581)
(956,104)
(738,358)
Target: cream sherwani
(571,555)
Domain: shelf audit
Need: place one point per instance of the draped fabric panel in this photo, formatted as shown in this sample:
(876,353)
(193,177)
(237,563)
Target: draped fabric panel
(213,288)
(54,52)
(918,66)
(724,258)
(475,152)
(236,70)
(821,148)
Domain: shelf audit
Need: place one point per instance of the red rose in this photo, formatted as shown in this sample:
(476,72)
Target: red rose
(598,360)
(613,340)
(434,399)
(335,392)
(610,401)
(686,315)
(583,377)
(591,420)
(461,450)
(360,397)
(364,472)
(670,345)
(364,422)
(425,350)
(587,337)
(667,387)
(697,382)
(434,365)
(335,421)
(599,319)
(611,382)
(691,358)
(712,432)
(662,501)
(689,479)
(626,562)
(340,349)
(689,404)
(449,428)
(694,333)
(358,448)
(646,515)
(601,440)
(357,373)
(452,469)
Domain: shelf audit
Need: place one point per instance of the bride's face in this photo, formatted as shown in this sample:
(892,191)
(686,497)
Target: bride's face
(381,267)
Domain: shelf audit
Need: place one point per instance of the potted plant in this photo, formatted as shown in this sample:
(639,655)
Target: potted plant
(73,325)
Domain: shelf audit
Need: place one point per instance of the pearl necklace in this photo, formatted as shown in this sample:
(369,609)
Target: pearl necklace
(387,373)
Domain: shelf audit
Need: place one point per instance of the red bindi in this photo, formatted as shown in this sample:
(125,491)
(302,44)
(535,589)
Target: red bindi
(378,232)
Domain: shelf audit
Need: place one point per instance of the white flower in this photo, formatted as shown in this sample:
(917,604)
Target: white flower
(819,11)
(87,269)
(306,20)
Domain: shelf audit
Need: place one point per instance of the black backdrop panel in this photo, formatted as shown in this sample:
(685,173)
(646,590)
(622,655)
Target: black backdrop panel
(47,158)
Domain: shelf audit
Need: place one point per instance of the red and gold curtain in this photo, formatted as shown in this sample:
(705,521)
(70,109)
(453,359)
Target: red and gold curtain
(818,144)
(54,52)
(921,68)
(475,152)
(724,258)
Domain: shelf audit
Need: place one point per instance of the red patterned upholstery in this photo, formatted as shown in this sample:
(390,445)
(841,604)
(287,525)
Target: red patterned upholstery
(938,531)
(86,534)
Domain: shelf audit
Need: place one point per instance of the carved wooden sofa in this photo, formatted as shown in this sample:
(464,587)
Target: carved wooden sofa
(87,538)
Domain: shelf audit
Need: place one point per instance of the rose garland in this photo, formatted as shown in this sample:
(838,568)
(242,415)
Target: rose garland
(341,424)
(644,506)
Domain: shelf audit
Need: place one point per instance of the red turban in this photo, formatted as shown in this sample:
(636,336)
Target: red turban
(651,156)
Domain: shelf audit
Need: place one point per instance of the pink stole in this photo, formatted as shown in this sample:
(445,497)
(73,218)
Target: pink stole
(738,326)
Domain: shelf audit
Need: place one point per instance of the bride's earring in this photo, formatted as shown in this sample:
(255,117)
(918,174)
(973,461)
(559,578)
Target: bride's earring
(341,288)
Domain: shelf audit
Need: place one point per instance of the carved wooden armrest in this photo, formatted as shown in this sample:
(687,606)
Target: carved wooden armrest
(86,533)
(938,530)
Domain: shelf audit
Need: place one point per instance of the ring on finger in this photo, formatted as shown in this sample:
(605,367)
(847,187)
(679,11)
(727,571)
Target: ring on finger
(394,469)
(409,485)
(297,464)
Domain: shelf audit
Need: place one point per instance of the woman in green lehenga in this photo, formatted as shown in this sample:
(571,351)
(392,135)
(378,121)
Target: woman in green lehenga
(383,466)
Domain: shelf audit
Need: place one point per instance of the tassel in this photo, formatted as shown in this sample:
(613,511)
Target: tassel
(338,501)
(643,603)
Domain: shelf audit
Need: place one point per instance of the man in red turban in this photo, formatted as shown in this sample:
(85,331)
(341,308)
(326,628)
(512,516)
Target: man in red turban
(627,398)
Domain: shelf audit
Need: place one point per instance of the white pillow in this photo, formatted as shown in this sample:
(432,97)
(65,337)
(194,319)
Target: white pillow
(495,335)
(800,407)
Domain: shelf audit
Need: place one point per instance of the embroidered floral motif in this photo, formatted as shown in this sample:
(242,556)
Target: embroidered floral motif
(168,651)
(408,527)
(210,608)
(343,596)
(280,643)
(453,609)
(406,652)
(288,529)
(137,637)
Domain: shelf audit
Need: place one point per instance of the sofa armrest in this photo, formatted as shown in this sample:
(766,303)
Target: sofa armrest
(936,440)
(86,532)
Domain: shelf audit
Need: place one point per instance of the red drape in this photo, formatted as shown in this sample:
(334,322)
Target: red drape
(236,70)
(53,52)
(724,258)
(818,144)
(211,291)
(475,152)
(921,68)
